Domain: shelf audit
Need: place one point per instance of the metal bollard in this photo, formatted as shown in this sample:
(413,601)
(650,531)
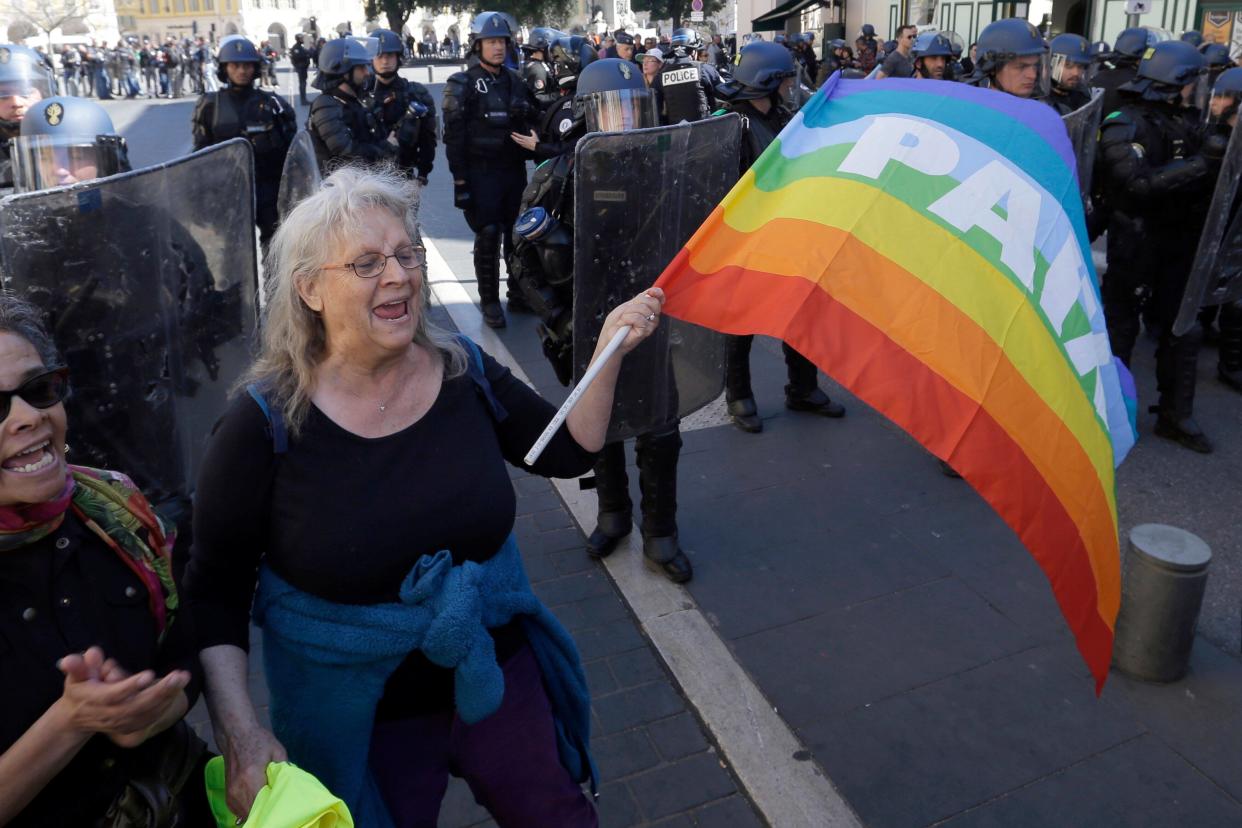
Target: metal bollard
(1160,602)
(429,77)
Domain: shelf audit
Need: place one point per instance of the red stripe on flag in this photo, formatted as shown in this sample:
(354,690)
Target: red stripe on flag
(893,381)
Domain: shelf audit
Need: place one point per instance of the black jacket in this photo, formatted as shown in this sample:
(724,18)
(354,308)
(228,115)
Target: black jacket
(254,114)
(61,595)
(480,110)
(396,107)
(343,129)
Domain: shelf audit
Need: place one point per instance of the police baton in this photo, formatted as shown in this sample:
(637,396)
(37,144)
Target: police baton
(575,395)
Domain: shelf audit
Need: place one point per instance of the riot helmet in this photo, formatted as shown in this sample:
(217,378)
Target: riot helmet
(24,81)
(1013,58)
(868,31)
(1130,45)
(1222,108)
(64,141)
(570,55)
(1216,56)
(541,39)
(387,42)
(612,97)
(761,70)
(1071,65)
(1192,37)
(236,50)
(337,61)
(487,25)
(686,42)
(1167,69)
(931,54)
(1100,51)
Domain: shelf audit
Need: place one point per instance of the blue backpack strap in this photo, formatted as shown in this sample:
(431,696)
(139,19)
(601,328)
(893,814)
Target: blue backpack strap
(275,422)
(477,375)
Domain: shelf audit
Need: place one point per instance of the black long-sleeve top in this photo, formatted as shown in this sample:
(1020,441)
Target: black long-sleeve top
(60,595)
(345,517)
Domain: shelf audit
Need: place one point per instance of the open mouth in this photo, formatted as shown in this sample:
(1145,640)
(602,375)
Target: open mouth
(34,459)
(397,311)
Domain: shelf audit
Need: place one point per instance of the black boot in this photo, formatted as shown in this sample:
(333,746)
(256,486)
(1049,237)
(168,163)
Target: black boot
(612,486)
(803,393)
(1229,368)
(487,271)
(1177,366)
(738,396)
(657,480)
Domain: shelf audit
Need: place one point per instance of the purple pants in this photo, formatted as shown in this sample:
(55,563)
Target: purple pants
(509,760)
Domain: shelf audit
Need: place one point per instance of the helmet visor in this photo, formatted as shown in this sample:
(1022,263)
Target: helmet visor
(1069,75)
(1198,92)
(1222,108)
(44,161)
(620,110)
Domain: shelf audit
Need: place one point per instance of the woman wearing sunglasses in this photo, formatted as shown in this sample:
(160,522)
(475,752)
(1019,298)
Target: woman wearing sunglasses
(96,654)
(361,485)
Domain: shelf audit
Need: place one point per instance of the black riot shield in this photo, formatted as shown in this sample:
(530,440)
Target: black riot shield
(638,197)
(1216,276)
(148,280)
(1083,126)
(300,176)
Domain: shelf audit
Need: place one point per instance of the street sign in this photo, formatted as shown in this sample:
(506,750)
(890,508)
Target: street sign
(1138,6)
(696,5)
(696,16)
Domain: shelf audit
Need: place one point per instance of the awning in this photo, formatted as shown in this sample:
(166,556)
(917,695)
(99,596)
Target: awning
(774,21)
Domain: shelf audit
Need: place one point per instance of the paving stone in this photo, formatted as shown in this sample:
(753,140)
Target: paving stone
(599,677)
(860,654)
(733,812)
(531,485)
(1147,785)
(616,806)
(678,736)
(636,667)
(458,808)
(610,639)
(1020,591)
(553,519)
(536,503)
(624,754)
(556,540)
(569,561)
(637,706)
(571,588)
(594,611)
(671,789)
(539,567)
(935,751)
(678,821)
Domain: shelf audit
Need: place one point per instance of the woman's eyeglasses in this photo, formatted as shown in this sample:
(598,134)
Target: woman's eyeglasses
(370,265)
(42,391)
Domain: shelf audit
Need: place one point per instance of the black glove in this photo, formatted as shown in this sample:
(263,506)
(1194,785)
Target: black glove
(461,196)
(1213,148)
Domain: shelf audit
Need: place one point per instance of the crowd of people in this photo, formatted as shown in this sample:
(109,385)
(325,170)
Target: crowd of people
(352,499)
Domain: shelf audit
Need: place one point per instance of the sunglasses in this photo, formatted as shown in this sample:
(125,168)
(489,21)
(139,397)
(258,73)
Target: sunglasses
(42,391)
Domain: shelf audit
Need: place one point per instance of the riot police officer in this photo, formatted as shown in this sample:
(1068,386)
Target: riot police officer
(612,96)
(1012,57)
(683,89)
(300,57)
(1157,178)
(341,126)
(24,81)
(559,126)
(483,107)
(239,110)
(1222,118)
(402,108)
(1217,58)
(1122,64)
(65,141)
(932,54)
(761,83)
(1070,71)
(536,70)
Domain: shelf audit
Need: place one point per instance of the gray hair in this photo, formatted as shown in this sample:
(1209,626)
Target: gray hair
(294,341)
(19,317)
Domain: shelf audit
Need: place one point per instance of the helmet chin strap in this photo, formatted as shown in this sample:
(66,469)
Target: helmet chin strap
(386,75)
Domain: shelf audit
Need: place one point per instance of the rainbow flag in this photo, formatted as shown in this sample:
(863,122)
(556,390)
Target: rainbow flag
(924,244)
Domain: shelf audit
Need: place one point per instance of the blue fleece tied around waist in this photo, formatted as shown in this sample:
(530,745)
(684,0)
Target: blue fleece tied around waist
(327,664)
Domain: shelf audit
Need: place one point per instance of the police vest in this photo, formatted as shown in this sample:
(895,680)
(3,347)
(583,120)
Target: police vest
(494,107)
(250,114)
(684,97)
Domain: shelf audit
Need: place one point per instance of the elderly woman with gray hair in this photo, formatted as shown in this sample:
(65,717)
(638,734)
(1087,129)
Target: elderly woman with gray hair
(358,496)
